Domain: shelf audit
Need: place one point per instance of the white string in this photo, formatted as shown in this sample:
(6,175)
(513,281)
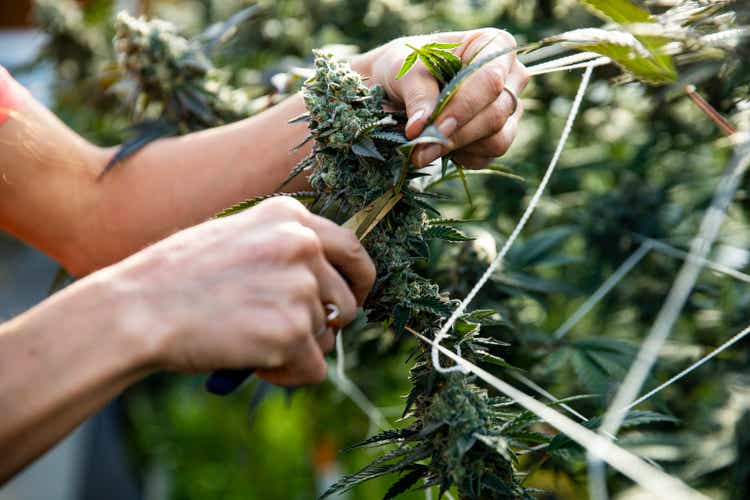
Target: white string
(540,390)
(672,251)
(678,295)
(650,478)
(338,377)
(517,230)
(729,343)
(604,289)
(578,57)
(602,61)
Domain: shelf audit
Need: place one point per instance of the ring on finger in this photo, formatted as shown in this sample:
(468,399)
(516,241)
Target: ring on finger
(514,98)
(333,315)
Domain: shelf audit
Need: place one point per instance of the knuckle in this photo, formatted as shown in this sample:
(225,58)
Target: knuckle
(305,242)
(285,205)
(500,36)
(306,284)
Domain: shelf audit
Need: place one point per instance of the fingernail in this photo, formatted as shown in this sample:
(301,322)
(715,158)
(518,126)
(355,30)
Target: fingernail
(430,154)
(415,117)
(448,126)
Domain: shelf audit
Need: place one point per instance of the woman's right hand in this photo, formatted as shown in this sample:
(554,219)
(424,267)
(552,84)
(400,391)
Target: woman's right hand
(247,291)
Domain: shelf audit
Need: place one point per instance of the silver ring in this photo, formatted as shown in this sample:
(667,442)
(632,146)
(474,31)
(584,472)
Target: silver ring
(514,97)
(332,318)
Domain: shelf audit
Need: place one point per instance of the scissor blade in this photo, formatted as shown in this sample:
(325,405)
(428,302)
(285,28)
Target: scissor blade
(366,219)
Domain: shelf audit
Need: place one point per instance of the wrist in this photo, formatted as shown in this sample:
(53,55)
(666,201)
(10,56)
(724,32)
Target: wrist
(110,310)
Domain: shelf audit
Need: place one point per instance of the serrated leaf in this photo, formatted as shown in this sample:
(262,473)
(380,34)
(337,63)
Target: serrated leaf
(366,148)
(632,419)
(408,63)
(387,136)
(619,11)
(646,63)
(433,305)
(148,132)
(304,197)
(452,87)
(447,233)
(406,482)
(387,436)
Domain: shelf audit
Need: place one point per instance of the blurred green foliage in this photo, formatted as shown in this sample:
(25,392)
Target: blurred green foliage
(642,162)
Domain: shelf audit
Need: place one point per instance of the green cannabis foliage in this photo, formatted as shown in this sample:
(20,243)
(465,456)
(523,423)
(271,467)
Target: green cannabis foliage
(642,162)
(177,76)
(456,426)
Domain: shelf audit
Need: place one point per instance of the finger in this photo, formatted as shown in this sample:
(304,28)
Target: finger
(492,119)
(345,252)
(486,125)
(499,143)
(469,160)
(327,341)
(419,92)
(484,86)
(305,366)
(334,290)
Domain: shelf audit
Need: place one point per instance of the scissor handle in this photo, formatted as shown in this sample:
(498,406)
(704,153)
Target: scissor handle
(223,382)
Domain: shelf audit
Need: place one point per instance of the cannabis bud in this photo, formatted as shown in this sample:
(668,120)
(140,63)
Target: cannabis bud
(456,426)
(176,72)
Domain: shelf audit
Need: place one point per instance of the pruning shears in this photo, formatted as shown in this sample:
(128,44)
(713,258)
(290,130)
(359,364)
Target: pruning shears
(223,382)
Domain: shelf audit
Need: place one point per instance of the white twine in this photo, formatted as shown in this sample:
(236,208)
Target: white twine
(517,230)
(652,479)
(535,71)
(603,290)
(678,295)
(338,377)
(723,347)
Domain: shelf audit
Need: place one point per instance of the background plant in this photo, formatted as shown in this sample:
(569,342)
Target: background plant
(618,182)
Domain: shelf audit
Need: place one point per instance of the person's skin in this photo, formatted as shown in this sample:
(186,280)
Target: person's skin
(242,292)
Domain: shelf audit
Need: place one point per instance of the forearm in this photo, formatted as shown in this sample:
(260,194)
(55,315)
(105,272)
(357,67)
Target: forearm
(59,363)
(178,182)
(52,197)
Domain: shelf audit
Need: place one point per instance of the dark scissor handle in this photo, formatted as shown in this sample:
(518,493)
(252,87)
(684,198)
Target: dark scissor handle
(223,382)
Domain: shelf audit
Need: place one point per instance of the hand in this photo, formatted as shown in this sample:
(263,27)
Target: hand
(480,120)
(248,291)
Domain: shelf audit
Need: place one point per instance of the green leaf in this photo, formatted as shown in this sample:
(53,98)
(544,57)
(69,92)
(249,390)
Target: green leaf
(645,61)
(303,196)
(387,436)
(538,247)
(442,46)
(632,419)
(433,305)
(366,148)
(148,132)
(619,11)
(408,63)
(406,482)
(452,87)
(447,233)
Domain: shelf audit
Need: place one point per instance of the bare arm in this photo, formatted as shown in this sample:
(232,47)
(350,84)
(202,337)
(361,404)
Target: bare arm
(242,292)
(50,195)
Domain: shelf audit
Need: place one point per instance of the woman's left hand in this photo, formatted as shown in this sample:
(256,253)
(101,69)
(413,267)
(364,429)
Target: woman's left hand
(482,118)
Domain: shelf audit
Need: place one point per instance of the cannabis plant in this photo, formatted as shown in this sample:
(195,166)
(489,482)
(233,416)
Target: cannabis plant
(178,88)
